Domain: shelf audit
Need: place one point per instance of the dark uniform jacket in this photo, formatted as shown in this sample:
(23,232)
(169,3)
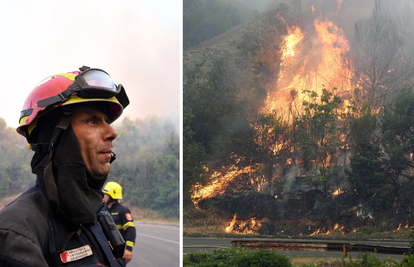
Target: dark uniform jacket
(34,237)
(124,221)
(54,223)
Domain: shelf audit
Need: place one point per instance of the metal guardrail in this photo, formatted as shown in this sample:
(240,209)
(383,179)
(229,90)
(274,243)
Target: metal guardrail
(318,246)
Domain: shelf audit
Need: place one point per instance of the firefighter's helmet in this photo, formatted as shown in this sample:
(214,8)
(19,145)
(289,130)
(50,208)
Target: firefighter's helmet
(86,85)
(113,189)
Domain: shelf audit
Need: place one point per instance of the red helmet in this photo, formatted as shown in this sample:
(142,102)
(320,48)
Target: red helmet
(86,85)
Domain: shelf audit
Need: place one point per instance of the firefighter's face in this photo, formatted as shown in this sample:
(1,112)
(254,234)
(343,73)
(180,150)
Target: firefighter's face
(95,136)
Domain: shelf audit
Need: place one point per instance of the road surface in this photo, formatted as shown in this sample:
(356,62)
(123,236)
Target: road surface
(156,245)
(209,244)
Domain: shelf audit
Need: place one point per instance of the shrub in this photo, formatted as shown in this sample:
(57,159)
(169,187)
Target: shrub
(238,257)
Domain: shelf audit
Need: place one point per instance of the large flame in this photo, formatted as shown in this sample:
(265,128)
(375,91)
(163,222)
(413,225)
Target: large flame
(322,67)
(303,67)
(219,181)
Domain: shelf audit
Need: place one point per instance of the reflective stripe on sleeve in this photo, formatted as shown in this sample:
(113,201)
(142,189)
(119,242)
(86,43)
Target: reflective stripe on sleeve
(128,224)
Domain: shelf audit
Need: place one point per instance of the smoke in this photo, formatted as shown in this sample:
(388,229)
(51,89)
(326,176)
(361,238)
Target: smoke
(290,178)
(137,43)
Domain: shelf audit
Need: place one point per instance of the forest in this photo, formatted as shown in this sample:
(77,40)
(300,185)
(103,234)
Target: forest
(355,135)
(147,164)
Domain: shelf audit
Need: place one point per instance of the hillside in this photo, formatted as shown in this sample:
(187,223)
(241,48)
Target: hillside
(279,142)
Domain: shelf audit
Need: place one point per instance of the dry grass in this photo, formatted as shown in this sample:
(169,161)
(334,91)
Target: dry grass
(210,222)
(148,215)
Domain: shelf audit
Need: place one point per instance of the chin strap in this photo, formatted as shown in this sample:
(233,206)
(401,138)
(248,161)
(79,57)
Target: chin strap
(113,157)
(50,184)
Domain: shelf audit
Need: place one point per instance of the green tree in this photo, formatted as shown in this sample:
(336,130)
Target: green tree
(194,157)
(15,170)
(397,124)
(218,104)
(319,137)
(148,164)
(366,174)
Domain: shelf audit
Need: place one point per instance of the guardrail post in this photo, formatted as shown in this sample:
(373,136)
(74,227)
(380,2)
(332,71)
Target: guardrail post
(345,250)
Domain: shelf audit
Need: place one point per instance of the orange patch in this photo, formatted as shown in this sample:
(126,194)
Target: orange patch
(128,216)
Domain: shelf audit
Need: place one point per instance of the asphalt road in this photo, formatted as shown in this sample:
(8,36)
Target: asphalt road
(156,245)
(210,244)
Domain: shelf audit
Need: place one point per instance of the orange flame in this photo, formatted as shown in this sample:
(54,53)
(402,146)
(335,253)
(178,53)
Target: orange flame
(280,17)
(219,182)
(322,67)
(337,192)
(230,227)
(249,226)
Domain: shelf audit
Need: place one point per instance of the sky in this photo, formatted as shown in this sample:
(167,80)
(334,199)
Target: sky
(136,42)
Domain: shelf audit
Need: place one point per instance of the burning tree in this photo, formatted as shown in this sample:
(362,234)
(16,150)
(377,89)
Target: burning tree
(319,137)
(379,63)
(273,142)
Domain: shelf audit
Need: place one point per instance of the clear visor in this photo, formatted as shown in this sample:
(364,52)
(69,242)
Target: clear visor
(100,79)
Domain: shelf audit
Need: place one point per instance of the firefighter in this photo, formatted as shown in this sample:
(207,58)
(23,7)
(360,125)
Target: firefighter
(66,121)
(121,215)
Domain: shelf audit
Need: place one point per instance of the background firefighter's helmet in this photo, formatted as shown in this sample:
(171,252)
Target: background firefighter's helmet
(113,189)
(52,86)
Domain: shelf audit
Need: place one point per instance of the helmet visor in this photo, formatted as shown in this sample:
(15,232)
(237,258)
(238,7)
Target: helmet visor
(100,79)
(95,83)
(91,83)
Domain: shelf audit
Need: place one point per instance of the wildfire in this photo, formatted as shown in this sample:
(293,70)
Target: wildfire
(323,66)
(337,192)
(219,182)
(249,226)
(218,185)
(321,232)
(302,67)
(230,227)
(399,227)
(295,35)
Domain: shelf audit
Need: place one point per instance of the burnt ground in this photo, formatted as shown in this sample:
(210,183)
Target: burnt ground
(308,213)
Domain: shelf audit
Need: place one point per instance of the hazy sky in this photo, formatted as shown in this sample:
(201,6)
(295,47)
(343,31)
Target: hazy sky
(136,42)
